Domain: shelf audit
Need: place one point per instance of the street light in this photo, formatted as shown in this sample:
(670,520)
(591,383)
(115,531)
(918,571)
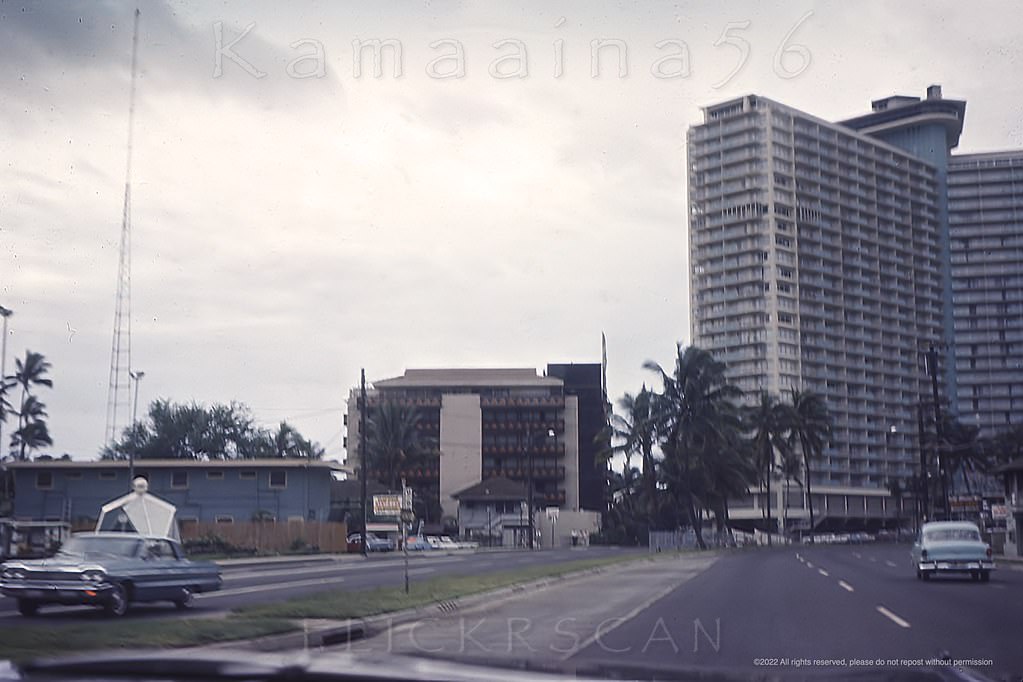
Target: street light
(529,490)
(5,313)
(136,377)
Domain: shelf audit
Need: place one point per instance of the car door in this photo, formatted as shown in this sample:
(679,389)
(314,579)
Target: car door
(161,573)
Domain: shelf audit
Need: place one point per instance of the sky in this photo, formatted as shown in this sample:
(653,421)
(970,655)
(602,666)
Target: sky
(496,200)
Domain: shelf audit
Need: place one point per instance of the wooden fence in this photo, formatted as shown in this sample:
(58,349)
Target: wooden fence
(270,536)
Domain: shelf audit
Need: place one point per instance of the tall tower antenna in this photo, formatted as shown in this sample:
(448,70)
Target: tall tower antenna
(119,386)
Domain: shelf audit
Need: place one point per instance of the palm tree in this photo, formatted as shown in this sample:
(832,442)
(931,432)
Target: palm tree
(811,429)
(392,439)
(694,417)
(770,422)
(634,434)
(28,373)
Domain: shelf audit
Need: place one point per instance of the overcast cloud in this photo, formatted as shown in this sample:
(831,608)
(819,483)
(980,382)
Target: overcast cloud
(288,231)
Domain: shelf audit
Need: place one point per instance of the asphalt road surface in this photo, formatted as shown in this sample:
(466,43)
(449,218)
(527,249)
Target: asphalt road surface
(850,610)
(803,607)
(274,581)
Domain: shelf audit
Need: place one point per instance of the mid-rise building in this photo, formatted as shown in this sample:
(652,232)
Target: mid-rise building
(488,423)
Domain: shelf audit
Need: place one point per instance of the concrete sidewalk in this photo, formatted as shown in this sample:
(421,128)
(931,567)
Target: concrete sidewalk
(547,621)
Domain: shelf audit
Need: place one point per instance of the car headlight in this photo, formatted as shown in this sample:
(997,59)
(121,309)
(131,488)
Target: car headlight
(93,576)
(13,574)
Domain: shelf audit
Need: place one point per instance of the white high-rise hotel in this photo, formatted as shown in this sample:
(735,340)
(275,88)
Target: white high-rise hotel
(821,259)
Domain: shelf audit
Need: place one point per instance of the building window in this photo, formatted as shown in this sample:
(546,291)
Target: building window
(108,475)
(179,479)
(224,518)
(279,479)
(44,480)
(215,475)
(247,475)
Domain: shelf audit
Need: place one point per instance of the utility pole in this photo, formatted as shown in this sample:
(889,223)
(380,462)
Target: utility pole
(529,483)
(4,313)
(932,367)
(363,464)
(925,483)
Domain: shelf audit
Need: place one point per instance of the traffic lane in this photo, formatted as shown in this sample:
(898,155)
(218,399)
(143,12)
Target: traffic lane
(243,587)
(953,614)
(761,609)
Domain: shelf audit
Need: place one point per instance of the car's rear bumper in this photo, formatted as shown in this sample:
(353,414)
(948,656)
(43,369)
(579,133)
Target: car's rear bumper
(57,592)
(955,565)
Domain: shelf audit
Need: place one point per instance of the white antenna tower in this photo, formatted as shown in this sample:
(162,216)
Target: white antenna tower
(119,388)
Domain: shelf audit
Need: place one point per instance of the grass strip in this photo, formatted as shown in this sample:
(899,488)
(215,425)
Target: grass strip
(341,604)
(31,640)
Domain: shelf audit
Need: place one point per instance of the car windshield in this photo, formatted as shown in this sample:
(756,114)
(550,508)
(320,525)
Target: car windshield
(459,295)
(950,534)
(97,546)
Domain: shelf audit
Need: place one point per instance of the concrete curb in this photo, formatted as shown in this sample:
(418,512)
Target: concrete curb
(319,633)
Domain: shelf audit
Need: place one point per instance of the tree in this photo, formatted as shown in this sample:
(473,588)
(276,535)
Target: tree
(392,439)
(633,434)
(32,432)
(769,422)
(219,432)
(811,429)
(965,452)
(695,418)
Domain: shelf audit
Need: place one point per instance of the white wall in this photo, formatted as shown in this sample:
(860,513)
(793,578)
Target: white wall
(461,445)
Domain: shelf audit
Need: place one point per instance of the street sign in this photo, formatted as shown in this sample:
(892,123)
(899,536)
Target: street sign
(386,505)
(999,511)
(552,513)
(406,495)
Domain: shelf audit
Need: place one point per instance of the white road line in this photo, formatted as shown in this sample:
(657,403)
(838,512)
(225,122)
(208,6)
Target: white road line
(266,588)
(874,559)
(857,555)
(892,617)
(891,563)
(845,586)
(823,572)
(809,565)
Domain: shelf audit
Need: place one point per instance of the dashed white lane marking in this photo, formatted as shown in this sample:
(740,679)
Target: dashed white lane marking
(857,555)
(873,559)
(892,617)
(845,586)
(891,563)
(823,572)
(809,565)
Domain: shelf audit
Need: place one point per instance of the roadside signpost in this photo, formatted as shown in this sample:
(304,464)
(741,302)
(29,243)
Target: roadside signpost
(552,514)
(406,516)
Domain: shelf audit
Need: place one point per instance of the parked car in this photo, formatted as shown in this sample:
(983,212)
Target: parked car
(952,547)
(418,543)
(374,543)
(110,570)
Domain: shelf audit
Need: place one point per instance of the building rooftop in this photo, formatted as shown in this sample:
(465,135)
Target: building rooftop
(899,111)
(483,377)
(498,488)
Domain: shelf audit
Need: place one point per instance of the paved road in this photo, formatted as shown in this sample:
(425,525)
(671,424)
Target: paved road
(729,612)
(834,602)
(276,581)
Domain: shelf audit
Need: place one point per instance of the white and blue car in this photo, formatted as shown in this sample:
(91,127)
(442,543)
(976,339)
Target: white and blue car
(952,547)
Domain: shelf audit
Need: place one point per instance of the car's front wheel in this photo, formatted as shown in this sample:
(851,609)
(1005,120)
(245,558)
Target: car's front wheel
(985,576)
(28,607)
(117,602)
(926,575)
(186,599)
